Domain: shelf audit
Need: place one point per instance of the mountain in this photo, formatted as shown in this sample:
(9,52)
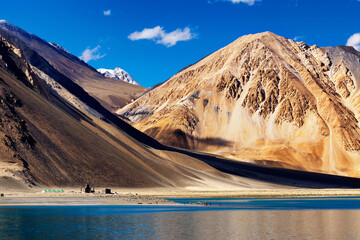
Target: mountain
(46,141)
(262,99)
(53,133)
(118,74)
(111,93)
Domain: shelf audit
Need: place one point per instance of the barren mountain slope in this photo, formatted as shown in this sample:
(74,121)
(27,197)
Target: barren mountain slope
(263,99)
(111,93)
(44,143)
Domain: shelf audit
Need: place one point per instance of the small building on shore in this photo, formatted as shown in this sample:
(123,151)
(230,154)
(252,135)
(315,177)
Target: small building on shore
(87,188)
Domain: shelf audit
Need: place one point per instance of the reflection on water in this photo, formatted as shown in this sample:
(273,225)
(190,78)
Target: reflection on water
(150,222)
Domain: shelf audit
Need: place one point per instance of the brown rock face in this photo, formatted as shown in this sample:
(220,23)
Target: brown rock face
(263,99)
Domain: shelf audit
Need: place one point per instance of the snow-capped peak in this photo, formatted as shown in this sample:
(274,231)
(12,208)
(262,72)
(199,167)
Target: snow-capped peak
(5,24)
(118,73)
(12,29)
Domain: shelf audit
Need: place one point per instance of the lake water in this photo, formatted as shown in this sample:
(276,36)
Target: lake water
(250,218)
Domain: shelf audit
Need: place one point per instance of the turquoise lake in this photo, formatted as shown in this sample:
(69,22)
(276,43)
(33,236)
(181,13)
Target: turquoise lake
(240,218)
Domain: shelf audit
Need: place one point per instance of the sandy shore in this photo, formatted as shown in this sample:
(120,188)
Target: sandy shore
(155,196)
(75,199)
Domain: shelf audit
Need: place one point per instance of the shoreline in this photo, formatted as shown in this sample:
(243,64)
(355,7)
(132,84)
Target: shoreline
(71,199)
(244,193)
(136,197)
(265,193)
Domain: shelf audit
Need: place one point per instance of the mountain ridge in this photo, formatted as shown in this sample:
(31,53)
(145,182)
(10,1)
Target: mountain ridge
(109,92)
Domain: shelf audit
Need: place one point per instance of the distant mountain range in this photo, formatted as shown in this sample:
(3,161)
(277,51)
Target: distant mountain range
(119,74)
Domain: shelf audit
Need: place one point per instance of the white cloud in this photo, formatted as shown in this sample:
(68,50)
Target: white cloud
(170,39)
(250,2)
(91,54)
(354,41)
(298,38)
(147,33)
(107,12)
(161,37)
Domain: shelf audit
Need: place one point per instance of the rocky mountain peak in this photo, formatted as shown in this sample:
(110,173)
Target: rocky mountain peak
(264,99)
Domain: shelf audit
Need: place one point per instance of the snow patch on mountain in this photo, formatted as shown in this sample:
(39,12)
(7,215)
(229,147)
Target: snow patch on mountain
(10,27)
(118,73)
(59,47)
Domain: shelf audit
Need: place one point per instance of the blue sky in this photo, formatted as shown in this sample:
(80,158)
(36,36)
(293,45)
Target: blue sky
(201,26)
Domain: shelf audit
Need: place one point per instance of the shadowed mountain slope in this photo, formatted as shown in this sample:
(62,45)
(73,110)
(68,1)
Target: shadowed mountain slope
(111,93)
(46,141)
